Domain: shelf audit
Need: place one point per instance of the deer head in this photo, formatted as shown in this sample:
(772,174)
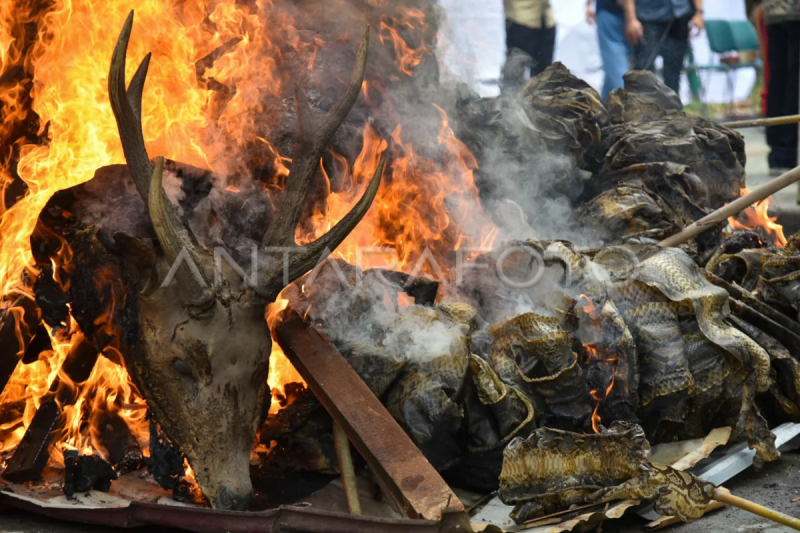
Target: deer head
(202,358)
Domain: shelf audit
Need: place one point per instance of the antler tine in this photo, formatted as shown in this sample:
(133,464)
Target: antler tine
(174,241)
(127,110)
(127,107)
(307,256)
(136,88)
(314,134)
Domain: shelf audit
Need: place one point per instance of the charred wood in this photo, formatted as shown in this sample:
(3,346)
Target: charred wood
(300,435)
(31,455)
(39,343)
(165,464)
(17,321)
(51,299)
(33,451)
(423,290)
(124,452)
(86,472)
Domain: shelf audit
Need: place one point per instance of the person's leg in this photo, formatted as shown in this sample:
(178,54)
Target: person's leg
(518,60)
(649,46)
(614,49)
(542,49)
(791,104)
(674,51)
(778,81)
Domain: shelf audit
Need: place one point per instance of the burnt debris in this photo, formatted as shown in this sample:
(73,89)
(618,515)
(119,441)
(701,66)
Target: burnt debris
(86,472)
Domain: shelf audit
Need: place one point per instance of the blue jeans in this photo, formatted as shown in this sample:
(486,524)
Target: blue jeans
(614,49)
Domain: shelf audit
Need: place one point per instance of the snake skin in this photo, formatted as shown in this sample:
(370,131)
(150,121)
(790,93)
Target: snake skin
(674,274)
(662,358)
(534,354)
(498,412)
(554,468)
(674,492)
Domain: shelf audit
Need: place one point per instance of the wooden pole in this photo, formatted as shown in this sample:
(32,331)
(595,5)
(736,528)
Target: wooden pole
(766,122)
(346,469)
(760,510)
(740,204)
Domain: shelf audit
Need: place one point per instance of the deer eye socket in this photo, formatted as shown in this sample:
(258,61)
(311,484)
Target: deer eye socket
(182,367)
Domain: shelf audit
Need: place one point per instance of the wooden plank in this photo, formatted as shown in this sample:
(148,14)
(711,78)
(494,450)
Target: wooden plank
(33,450)
(408,476)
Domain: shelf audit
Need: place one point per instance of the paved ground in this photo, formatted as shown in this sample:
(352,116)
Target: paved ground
(775,486)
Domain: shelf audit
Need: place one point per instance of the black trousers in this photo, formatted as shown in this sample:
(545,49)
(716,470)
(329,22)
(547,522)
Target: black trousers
(782,95)
(527,49)
(668,40)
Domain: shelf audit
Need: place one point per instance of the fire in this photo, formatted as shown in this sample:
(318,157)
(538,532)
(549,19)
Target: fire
(281,370)
(596,421)
(757,216)
(421,205)
(597,354)
(217,67)
(407,57)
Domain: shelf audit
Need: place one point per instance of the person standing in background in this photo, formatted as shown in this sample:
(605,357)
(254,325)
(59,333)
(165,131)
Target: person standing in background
(755,12)
(614,48)
(783,52)
(662,27)
(530,41)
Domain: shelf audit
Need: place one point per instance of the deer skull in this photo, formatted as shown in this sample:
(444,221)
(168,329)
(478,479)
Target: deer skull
(201,361)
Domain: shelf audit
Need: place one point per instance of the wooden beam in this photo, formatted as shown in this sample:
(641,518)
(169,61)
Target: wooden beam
(408,476)
(765,122)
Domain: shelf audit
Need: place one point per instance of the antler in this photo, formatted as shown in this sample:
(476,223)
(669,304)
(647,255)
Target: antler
(174,239)
(127,107)
(314,134)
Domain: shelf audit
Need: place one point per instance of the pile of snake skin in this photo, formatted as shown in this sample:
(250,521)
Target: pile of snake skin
(613,348)
(630,334)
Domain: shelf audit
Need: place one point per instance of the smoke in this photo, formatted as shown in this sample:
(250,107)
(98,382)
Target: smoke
(363,309)
(469,163)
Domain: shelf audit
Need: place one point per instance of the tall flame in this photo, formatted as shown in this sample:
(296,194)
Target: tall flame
(216,64)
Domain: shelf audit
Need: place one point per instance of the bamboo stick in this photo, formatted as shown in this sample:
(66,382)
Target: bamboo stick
(754,123)
(740,204)
(346,469)
(760,510)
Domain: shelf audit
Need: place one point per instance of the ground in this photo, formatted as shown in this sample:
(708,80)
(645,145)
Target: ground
(775,486)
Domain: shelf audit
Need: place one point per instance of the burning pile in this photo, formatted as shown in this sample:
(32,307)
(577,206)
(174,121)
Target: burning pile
(134,323)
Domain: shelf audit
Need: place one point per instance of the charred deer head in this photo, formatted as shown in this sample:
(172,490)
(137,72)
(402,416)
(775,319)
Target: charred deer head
(202,358)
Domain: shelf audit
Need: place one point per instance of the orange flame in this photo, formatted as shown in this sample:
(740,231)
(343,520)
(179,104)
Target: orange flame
(407,57)
(216,65)
(757,216)
(596,421)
